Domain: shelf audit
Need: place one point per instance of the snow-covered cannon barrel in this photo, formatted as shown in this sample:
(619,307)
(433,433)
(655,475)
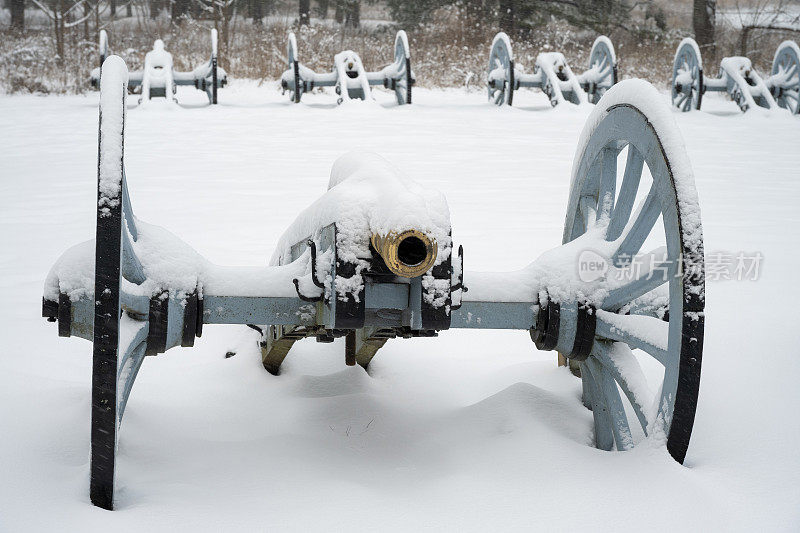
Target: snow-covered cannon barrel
(551,74)
(348,76)
(738,79)
(373,259)
(158,77)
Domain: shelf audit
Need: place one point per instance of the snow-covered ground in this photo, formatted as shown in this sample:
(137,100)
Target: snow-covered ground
(474,430)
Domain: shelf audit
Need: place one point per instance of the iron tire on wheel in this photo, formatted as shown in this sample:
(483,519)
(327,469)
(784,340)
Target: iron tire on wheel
(607,220)
(688,62)
(603,53)
(786,64)
(404,79)
(501,56)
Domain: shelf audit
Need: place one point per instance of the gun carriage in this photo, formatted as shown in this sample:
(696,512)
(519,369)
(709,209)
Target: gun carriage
(738,79)
(158,77)
(388,269)
(551,74)
(348,75)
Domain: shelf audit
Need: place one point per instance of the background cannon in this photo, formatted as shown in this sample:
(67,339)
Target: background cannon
(348,75)
(158,78)
(635,331)
(551,74)
(738,78)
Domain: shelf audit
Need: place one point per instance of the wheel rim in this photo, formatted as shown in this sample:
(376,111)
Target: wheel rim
(402,61)
(786,66)
(603,58)
(622,420)
(500,58)
(291,52)
(687,67)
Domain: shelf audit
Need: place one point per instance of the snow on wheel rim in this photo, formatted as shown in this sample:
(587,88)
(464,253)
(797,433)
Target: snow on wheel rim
(786,67)
(402,61)
(500,82)
(687,76)
(294,66)
(603,58)
(666,326)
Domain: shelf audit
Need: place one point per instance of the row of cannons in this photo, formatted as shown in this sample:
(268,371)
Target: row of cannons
(737,77)
(551,74)
(373,259)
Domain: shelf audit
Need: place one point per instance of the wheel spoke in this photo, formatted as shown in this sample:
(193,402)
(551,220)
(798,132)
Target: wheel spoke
(616,410)
(608,183)
(603,434)
(637,231)
(618,360)
(658,270)
(589,210)
(627,194)
(642,332)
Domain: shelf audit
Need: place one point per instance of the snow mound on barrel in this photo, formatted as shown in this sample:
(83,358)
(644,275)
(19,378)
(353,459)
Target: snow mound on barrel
(368,195)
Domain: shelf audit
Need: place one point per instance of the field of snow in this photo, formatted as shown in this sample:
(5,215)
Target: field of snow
(473,430)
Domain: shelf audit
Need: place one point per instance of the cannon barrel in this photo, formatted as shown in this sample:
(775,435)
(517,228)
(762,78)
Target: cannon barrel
(408,254)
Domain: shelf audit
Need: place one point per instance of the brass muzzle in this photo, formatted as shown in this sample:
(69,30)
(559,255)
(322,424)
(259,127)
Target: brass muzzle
(408,254)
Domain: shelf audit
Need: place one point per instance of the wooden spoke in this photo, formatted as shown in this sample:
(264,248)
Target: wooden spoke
(641,332)
(627,194)
(637,231)
(616,410)
(618,360)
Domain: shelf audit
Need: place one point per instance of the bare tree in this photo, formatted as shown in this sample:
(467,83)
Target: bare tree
(507,10)
(765,15)
(304,10)
(352,13)
(703,21)
(62,14)
(17,8)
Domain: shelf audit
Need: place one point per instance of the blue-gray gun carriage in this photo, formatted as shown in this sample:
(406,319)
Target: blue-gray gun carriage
(737,78)
(551,74)
(369,278)
(158,78)
(348,75)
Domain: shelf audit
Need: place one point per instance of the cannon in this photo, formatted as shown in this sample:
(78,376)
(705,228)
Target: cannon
(373,259)
(551,74)
(348,75)
(738,78)
(158,78)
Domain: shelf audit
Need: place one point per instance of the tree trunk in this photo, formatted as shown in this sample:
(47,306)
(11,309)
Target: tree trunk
(322,8)
(17,8)
(112,7)
(129,9)
(305,8)
(703,18)
(507,15)
(338,14)
(353,19)
(179,8)
(155,8)
(58,25)
(256,8)
(87,10)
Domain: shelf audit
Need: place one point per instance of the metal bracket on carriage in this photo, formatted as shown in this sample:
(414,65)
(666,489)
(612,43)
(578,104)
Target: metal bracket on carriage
(738,79)
(158,77)
(313,299)
(348,76)
(459,284)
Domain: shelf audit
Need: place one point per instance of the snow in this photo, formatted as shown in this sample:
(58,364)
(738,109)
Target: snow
(472,430)
(367,195)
